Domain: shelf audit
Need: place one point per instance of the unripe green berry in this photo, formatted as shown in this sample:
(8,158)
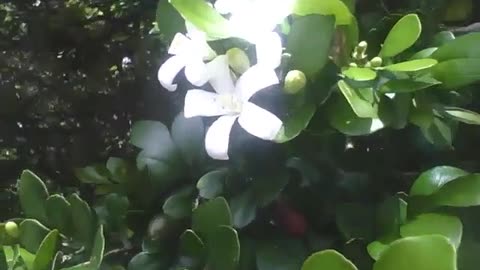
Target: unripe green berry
(376,62)
(238,60)
(11,228)
(294,81)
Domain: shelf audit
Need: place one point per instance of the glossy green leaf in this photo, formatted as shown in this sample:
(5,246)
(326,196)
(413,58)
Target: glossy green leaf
(203,16)
(210,215)
(309,48)
(189,136)
(32,234)
(154,138)
(191,245)
(376,248)
(3,260)
(179,205)
(243,208)
(46,251)
(457,73)
(442,38)
(324,7)
(402,36)
(121,170)
(425,53)
(390,215)
(407,85)
(343,118)
(113,212)
(460,48)
(362,106)
(95,174)
(268,187)
(328,259)
(84,222)
(427,224)
(212,183)
(59,213)
(419,252)
(168,20)
(297,121)
(224,251)
(360,74)
(98,249)
(280,254)
(439,133)
(148,261)
(32,194)
(461,115)
(433,180)
(463,192)
(412,65)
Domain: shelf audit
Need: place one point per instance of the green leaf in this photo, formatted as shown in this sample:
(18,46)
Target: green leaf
(460,48)
(46,251)
(84,223)
(113,212)
(407,85)
(168,20)
(360,74)
(148,261)
(280,254)
(210,215)
(427,224)
(59,213)
(32,194)
(324,7)
(309,48)
(328,259)
(189,135)
(268,187)
(154,138)
(32,234)
(203,16)
(120,170)
(463,192)
(362,106)
(390,215)
(243,208)
(179,205)
(433,180)
(3,260)
(96,174)
(461,115)
(457,73)
(439,133)
(402,36)
(212,183)
(191,245)
(224,252)
(420,252)
(355,221)
(98,249)
(442,38)
(376,248)
(425,53)
(297,121)
(412,65)
(343,118)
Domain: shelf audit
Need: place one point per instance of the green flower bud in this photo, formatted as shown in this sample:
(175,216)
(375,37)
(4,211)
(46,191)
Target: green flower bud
(360,51)
(11,228)
(353,64)
(238,60)
(376,62)
(294,81)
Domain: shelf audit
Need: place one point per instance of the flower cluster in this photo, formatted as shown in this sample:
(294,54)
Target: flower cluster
(230,75)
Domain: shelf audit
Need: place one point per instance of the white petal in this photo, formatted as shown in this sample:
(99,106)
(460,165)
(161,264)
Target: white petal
(259,122)
(255,79)
(180,44)
(269,50)
(218,136)
(199,43)
(202,103)
(168,70)
(196,72)
(220,75)
(226,6)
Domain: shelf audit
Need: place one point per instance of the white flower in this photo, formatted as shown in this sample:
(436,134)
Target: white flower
(250,19)
(188,52)
(231,102)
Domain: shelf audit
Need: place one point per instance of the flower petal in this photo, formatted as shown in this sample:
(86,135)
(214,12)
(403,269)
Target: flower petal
(202,103)
(196,72)
(218,136)
(226,6)
(169,70)
(255,79)
(259,122)
(200,47)
(180,44)
(269,50)
(220,75)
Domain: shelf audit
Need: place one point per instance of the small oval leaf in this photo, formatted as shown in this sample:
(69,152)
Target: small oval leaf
(402,36)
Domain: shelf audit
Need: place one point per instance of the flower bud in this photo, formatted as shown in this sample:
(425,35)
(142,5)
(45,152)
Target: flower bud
(360,51)
(11,228)
(238,60)
(376,62)
(294,81)
(353,64)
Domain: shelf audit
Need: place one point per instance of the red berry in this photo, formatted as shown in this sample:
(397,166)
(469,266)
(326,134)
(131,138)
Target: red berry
(291,220)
